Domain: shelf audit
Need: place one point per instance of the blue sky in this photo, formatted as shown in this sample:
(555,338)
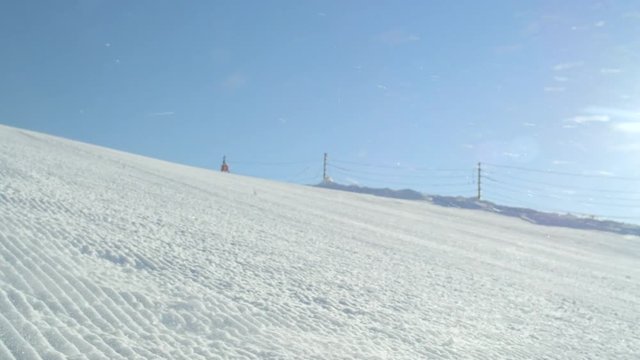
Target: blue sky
(390,89)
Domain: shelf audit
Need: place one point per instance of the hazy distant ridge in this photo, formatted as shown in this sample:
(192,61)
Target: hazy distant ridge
(530,215)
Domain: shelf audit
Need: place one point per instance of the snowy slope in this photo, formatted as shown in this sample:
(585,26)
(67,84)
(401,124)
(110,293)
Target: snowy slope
(107,255)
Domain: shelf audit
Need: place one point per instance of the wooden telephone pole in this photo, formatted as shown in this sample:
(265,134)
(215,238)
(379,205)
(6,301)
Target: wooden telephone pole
(479,181)
(324,169)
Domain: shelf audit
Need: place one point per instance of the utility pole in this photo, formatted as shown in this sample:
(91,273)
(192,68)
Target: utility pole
(324,169)
(479,181)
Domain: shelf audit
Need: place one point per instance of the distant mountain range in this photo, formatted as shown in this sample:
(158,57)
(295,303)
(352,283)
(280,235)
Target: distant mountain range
(530,215)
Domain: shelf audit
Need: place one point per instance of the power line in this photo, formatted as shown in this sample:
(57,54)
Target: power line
(282,163)
(514,178)
(398,167)
(297,176)
(393,182)
(387,174)
(581,193)
(589,202)
(564,173)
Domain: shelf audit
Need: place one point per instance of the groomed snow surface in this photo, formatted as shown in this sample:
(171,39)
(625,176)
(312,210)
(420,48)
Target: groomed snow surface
(107,255)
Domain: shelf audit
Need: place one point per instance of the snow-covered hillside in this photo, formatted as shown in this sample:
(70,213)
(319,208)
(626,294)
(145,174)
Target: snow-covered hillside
(107,255)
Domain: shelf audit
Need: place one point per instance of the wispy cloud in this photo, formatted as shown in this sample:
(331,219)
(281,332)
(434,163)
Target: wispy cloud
(627,127)
(600,172)
(512,155)
(528,124)
(561,78)
(162,113)
(567,66)
(554,89)
(610,70)
(579,27)
(398,37)
(381,87)
(560,162)
(600,23)
(583,119)
(622,120)
(613,112)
